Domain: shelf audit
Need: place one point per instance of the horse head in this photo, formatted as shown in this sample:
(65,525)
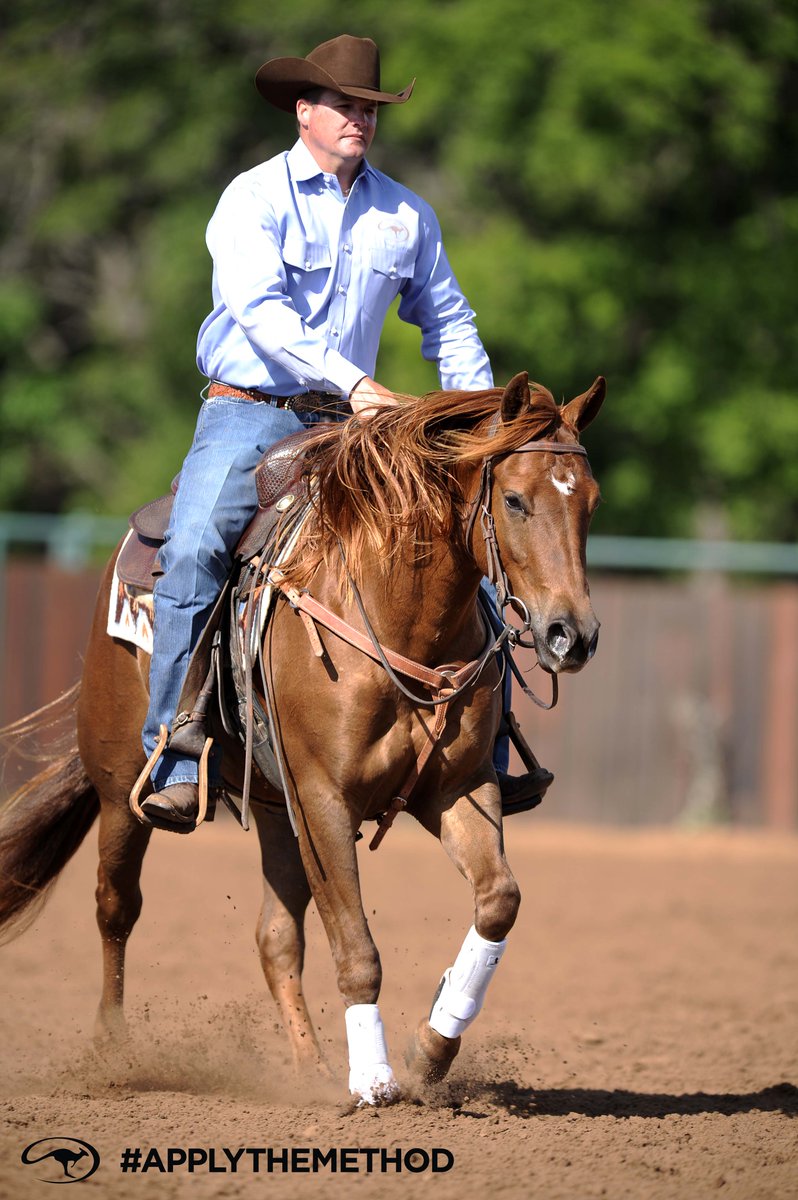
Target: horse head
(542,498)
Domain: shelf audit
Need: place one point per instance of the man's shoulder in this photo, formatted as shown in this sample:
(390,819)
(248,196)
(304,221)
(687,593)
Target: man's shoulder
(261,176)
(398,191)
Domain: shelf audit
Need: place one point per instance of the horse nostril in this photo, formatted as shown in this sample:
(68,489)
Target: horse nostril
(592,647)
(559,638)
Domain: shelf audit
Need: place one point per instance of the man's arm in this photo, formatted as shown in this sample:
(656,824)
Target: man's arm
(433,300)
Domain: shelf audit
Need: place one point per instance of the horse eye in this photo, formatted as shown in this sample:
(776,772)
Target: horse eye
(514,503)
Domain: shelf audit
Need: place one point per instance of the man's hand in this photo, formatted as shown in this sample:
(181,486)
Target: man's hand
(368,396)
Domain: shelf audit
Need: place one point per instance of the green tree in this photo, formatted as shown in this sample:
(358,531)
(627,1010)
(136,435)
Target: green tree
(617,186)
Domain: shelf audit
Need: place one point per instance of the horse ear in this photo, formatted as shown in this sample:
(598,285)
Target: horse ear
(516,397)
(581,411)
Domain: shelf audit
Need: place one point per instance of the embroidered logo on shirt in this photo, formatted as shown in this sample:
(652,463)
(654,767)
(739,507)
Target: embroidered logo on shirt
(398,231)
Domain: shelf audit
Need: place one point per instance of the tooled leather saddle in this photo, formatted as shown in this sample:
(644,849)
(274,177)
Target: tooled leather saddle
(278,476)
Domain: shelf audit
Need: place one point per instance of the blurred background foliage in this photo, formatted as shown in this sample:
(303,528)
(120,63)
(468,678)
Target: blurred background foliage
(617,188)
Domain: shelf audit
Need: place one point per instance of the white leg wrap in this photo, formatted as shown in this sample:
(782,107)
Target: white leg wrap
(464,985)
(370,1075)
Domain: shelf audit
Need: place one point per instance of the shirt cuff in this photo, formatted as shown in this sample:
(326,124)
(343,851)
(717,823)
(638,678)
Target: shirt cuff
(340,374)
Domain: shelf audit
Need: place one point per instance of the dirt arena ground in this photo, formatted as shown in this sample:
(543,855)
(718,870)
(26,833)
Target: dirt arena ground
(640,1039)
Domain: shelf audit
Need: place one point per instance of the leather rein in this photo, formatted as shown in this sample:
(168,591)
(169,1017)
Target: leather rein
(444,683)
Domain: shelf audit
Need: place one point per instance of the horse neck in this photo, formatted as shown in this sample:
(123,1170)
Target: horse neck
(425,608)
(433,599)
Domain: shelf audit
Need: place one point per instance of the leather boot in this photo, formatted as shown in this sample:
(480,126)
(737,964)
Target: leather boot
(177,804)
(521,792)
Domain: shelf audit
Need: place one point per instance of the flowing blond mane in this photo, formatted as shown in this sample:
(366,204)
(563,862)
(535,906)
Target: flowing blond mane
(388,486)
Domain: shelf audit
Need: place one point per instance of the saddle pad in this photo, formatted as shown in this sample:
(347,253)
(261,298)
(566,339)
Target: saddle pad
(130,610)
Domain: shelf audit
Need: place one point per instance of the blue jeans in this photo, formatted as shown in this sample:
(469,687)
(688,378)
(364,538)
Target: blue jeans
(215,501)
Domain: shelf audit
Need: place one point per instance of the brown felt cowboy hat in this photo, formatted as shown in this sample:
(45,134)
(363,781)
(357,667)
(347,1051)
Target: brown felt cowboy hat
(347,65)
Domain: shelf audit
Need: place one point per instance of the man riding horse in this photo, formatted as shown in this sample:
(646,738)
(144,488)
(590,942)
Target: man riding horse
(309,250)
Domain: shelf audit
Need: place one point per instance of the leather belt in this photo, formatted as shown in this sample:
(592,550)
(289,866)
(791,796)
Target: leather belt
(303,402)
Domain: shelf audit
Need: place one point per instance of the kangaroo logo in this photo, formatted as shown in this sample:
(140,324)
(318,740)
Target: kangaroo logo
(398,231)
(74,1162)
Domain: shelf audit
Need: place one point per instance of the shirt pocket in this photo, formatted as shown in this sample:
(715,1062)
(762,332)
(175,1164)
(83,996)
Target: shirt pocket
(390,268)
(397,262)
(307,272)
(301,256)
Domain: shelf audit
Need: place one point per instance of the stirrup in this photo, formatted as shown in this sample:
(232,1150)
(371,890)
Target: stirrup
(149,767)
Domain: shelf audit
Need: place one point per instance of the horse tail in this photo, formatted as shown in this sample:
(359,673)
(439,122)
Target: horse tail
(44,822)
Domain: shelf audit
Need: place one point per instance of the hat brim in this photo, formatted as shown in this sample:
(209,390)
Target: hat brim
(283,80)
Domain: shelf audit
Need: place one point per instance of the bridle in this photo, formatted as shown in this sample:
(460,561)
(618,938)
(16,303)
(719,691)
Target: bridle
(480,507)
(508,634)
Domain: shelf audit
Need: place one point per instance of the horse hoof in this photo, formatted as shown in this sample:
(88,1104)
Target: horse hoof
(110,1029)
(430,1055)
(374,1088)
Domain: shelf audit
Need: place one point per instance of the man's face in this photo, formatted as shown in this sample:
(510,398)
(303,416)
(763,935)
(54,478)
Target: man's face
(337,129)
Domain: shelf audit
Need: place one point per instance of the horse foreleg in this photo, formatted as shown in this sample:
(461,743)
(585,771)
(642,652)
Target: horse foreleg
(331,867)
(281,931)
(122,844)
(470,832)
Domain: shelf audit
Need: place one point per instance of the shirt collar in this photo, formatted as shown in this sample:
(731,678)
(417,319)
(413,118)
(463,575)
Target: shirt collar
(303,166)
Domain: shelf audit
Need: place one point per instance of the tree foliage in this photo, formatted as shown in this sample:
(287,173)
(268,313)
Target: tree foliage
(616,183)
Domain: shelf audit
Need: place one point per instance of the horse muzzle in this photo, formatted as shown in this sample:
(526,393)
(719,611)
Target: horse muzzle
(563,644)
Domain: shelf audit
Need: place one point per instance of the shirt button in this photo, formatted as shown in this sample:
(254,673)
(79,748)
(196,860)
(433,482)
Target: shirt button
(307,264)
(347,248)
(334,332)
(341,290)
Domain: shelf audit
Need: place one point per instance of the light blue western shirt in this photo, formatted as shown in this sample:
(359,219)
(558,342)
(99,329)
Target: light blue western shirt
(303,278)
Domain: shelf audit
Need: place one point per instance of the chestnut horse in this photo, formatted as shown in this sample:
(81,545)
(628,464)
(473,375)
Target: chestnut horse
(396,497)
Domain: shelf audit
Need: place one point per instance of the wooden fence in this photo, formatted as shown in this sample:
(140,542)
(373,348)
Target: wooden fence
(688,713)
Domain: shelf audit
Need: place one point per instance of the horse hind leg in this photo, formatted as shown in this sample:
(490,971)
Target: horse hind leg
(281,933)
(111,710)
(122,844)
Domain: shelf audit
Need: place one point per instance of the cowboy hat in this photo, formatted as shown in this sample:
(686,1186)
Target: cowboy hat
(347,65)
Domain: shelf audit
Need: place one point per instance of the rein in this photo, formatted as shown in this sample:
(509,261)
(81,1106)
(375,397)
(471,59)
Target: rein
(452,680)
(446,683)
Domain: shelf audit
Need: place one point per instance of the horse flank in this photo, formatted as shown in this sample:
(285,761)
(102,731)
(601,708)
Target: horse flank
(386,487)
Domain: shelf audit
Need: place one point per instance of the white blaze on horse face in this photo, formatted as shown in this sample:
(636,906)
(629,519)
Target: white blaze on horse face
(566,485)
